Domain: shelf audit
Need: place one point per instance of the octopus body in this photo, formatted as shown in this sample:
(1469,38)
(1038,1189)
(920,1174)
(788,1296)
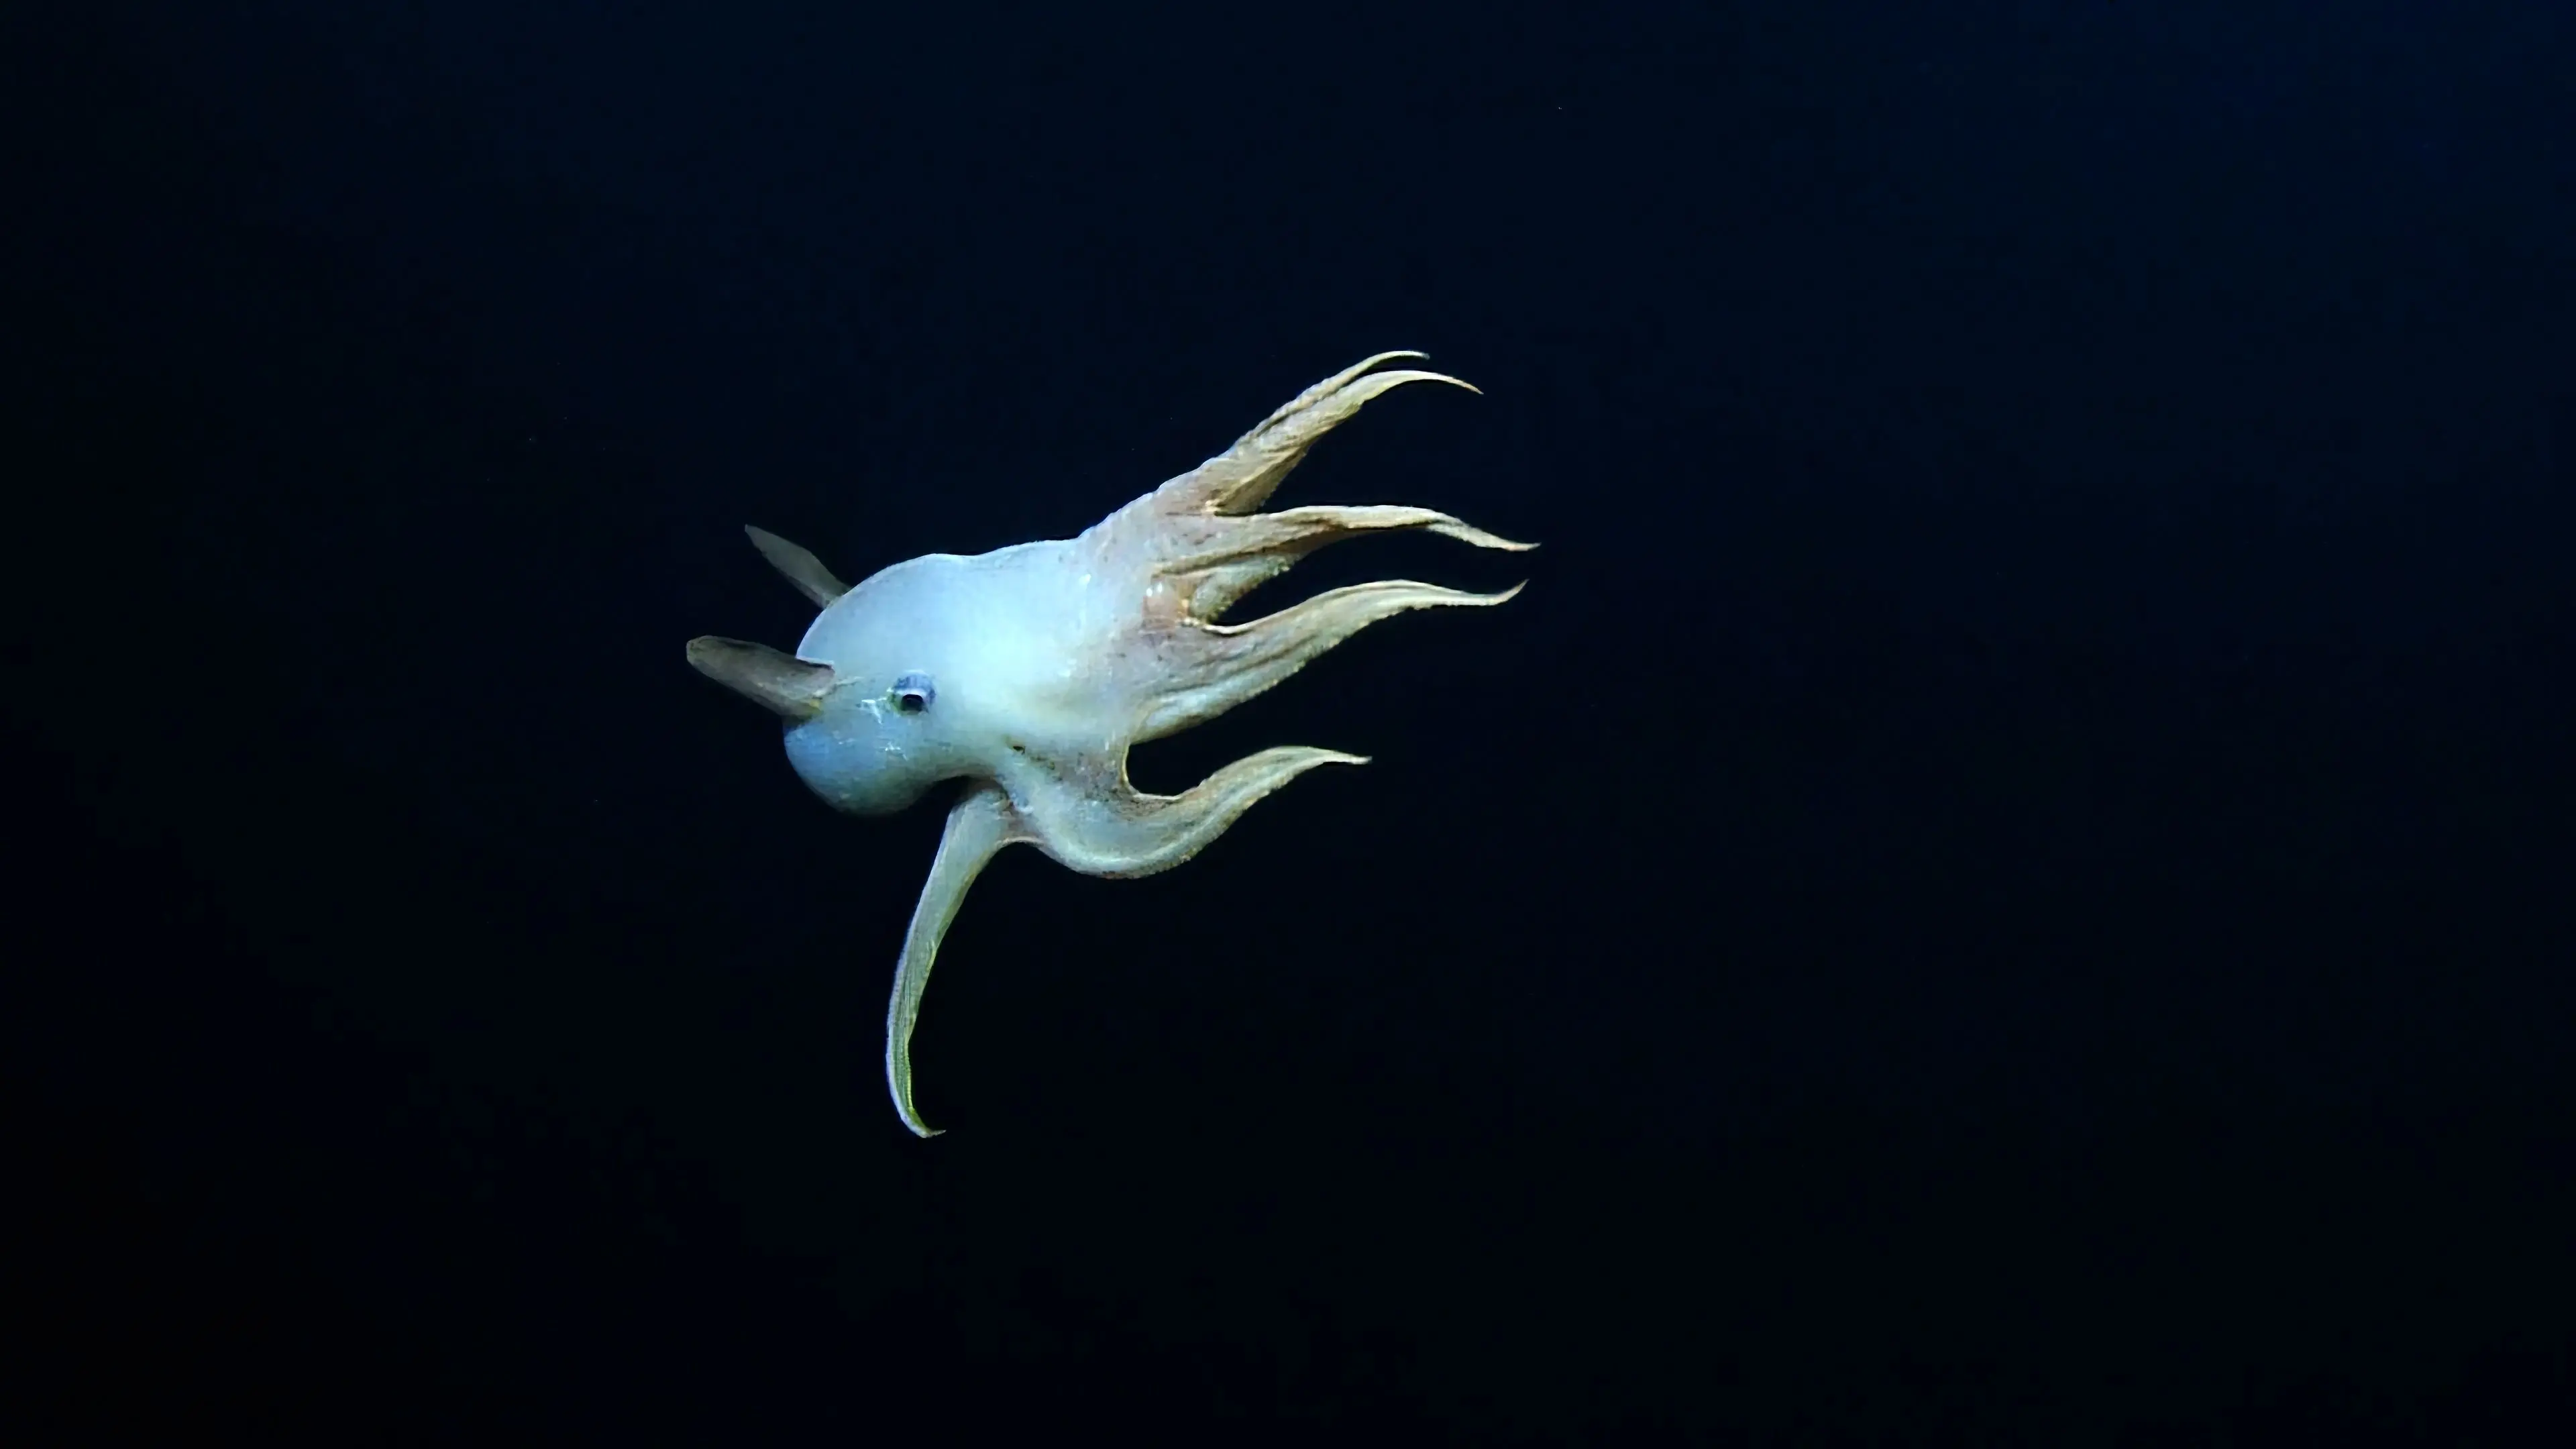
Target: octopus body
(1029,672)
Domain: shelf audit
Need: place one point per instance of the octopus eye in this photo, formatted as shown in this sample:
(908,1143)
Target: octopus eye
(913,693)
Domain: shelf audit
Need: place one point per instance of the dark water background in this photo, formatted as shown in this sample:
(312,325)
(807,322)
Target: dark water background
(2007,880)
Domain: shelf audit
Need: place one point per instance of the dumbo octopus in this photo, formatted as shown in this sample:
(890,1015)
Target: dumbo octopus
(1030,671)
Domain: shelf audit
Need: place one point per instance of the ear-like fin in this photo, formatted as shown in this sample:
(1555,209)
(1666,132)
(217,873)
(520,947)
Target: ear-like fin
(803,570)
(779,682)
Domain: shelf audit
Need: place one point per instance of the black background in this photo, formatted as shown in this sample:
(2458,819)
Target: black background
(2008,878)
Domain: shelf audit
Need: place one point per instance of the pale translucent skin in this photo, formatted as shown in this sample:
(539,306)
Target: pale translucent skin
(1047,661)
